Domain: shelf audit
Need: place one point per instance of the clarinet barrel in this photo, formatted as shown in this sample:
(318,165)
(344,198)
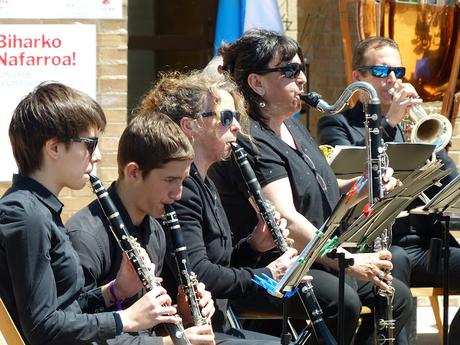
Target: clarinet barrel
(188,279)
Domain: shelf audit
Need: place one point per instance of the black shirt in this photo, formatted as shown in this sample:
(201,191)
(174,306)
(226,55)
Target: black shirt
(208,238)
(42,279)
(272,159)
(100,254)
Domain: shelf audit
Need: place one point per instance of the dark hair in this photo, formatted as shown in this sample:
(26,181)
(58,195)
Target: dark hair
(152,139)
(189,94)
(362,47)
(51,110)
(252,52)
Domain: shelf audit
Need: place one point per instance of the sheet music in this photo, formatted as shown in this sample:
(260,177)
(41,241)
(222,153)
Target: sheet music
(446,198)
(367,227)
(310,253)
(348,161)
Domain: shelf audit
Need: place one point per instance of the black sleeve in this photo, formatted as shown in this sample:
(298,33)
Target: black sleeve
(34,285)
(90,249)
(223,282)
(242,254)
(388,132)
(334,130)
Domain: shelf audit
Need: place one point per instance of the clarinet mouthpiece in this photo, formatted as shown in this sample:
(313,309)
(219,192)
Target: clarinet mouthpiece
(311,98)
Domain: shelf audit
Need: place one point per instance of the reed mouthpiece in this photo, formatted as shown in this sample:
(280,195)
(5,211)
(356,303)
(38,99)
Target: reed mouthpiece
(311,98)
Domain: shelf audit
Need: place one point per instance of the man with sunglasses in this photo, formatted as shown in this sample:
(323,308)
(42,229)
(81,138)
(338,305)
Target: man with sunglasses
(377,61)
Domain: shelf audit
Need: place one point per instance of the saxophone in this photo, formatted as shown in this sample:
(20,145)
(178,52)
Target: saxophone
(130,247)
(265,210)
(188,279)
(384,324)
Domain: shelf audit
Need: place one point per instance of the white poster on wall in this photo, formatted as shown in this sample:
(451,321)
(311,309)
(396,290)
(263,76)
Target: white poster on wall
(61,9)
(31,54)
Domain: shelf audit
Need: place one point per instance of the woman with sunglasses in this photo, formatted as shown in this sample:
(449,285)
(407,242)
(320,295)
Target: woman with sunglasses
(209,112)
(294,175)
(377,61)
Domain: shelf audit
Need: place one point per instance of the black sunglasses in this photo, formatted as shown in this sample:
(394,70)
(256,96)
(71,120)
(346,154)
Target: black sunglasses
(226,116)
(291,70)
(384,71)
(91,143)
(312,167)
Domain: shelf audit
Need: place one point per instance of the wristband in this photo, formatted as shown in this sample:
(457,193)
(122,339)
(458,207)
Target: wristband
(115,300)
(118,323)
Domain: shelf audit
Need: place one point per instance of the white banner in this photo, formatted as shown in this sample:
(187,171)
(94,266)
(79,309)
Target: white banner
(61,9)
(31,54)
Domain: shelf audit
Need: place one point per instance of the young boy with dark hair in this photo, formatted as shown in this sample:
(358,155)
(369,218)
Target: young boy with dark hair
(154,157)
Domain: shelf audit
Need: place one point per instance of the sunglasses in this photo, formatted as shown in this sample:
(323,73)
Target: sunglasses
(226,116)
(91,143)
(384,71)
(291,70)
(312,167)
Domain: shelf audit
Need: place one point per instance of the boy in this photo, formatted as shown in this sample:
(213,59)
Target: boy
(154,157)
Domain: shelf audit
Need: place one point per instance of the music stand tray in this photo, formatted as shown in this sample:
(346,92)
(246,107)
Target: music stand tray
(348,161)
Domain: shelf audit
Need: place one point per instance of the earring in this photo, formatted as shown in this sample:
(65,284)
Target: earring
(262,104)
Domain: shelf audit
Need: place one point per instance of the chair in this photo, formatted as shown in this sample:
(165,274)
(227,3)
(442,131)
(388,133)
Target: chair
(235,323)
(234,320)
(9,334)
(432,293)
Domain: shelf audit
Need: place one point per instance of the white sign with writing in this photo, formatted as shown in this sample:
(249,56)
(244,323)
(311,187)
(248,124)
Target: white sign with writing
(31,54)
(61,9)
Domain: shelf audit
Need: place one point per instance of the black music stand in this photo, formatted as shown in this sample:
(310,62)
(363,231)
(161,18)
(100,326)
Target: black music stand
(368,226)
(318,246)
(445,202)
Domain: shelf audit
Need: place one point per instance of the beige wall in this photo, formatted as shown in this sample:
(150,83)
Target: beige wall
(112,38)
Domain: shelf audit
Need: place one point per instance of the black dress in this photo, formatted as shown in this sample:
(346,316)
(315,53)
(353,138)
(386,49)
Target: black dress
(272,159)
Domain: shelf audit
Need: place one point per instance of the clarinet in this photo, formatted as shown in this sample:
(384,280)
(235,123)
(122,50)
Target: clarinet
(130,247)
(188,279)
(384,324)
(265,210)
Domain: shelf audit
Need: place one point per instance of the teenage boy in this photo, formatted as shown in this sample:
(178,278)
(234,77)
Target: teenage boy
(153,159)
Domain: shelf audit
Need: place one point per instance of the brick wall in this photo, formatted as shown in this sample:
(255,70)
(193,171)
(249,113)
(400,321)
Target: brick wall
(111,50)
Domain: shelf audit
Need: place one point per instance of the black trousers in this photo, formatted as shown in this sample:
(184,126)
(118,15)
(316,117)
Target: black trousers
(325,286)
(410,266)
